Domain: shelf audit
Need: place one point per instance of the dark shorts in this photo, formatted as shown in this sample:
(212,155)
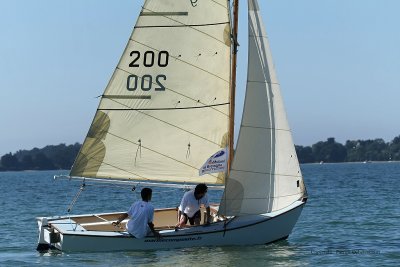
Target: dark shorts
(197,215)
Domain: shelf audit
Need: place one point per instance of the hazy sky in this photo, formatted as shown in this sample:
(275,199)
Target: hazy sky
(338,62)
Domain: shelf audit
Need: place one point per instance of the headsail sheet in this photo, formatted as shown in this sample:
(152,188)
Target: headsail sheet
(265,174)
(165,110)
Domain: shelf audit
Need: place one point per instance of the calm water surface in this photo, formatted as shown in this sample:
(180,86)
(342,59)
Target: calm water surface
(352,218)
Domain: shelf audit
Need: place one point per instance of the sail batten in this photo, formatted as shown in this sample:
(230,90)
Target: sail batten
(152,13)
(144,109)
(183,25)
(165,110)
(213,107)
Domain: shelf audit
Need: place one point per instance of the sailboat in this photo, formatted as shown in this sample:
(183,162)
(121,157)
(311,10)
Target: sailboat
(168,107)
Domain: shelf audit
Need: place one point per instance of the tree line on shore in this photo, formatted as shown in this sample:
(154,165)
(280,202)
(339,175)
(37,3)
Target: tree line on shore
(48,158)
(62,156)
(330,151)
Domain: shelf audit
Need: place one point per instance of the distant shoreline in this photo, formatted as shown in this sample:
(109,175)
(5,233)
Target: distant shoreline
(312,163)
(62,156)
(34,170)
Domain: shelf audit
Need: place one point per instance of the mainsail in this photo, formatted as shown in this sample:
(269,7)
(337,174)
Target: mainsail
(265,175)
(165,110)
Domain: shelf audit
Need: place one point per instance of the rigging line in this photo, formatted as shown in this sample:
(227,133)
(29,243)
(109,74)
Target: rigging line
(82,187)
(115,167)
(265,128)
(177,21)
(154,151)
(179,26)
(258,36)
(152,109)
(175,126)
(179,59)
(109,185)
(268,173)
(173,92)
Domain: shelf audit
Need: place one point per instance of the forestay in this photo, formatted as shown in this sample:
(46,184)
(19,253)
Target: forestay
(165,110)
(265,175)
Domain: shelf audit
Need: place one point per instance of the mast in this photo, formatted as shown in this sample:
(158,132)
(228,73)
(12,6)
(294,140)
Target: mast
(233,81)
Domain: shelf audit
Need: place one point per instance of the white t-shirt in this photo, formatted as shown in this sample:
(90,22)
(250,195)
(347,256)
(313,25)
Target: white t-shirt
(140,213)
(190,205)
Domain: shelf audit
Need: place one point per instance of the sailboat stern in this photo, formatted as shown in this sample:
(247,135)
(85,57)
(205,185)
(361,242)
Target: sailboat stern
(49,237)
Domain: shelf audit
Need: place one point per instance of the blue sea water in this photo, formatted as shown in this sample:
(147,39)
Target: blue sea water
(352,218)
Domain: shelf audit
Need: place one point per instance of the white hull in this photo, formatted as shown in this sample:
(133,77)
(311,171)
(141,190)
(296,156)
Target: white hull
(239,231)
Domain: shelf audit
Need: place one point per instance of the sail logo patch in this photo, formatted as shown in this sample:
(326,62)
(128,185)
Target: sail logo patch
(220,154)
(216,163)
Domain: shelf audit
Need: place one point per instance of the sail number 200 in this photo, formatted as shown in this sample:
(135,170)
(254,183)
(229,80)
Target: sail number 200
(149,59)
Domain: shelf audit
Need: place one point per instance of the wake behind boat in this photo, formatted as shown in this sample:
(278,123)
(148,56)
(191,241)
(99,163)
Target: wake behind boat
(166,119)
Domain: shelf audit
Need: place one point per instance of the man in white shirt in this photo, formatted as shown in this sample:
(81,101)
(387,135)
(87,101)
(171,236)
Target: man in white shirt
(189,208)
(141,215)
